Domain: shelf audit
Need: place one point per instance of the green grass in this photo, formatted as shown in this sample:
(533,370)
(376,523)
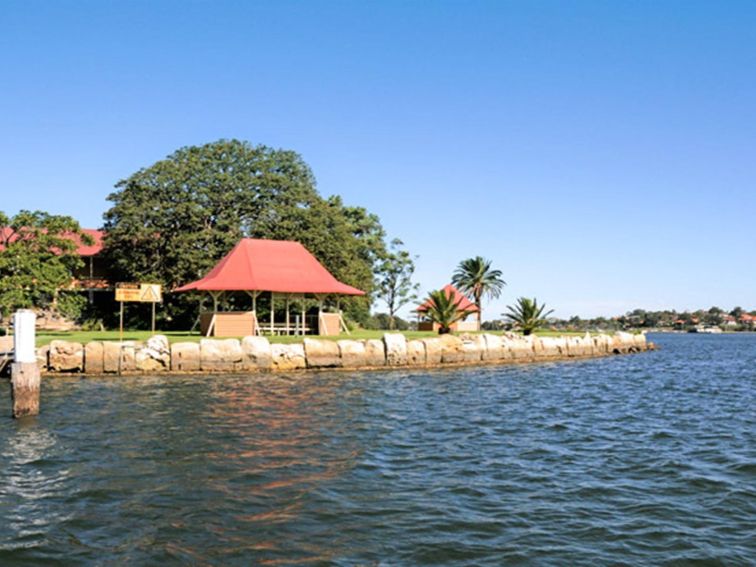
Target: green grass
(44,338)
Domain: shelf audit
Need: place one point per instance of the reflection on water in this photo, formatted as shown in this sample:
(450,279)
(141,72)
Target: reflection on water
(641,459)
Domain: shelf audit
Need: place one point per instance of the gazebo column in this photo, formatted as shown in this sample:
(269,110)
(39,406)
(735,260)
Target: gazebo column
(304,321)
(287,313)
(272,311)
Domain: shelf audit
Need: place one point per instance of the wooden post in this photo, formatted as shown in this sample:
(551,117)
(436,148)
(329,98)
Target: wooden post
(120,325)
(153,317)
(304,321)
(24,370)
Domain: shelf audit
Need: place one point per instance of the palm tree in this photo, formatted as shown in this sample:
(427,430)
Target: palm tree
(444,311)
(527,315)
(475,277)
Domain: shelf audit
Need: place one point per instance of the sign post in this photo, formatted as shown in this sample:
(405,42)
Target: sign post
(140,293)
(24,370)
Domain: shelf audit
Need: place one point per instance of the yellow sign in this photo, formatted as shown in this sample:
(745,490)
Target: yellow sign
(146,293)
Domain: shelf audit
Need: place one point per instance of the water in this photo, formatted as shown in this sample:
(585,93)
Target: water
(645,459)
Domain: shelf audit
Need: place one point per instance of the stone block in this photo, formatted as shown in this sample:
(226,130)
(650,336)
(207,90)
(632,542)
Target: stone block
(640,341)
(287,357)
(154,355)
(66,356)
(416,353)
(545,347)
(375,352)
(220,355)
(43,356)
(94,358)
(256,354)
(474,347)
(452,349)
(433,350)
(396,349)
(322,354)
(494,347)
(185,357)
(521,348)
(352,353)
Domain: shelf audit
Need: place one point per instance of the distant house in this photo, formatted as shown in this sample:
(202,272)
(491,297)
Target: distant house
(748,320)
(424,324)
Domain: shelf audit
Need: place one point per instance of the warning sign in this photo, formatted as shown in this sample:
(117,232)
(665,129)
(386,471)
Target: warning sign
(146,293)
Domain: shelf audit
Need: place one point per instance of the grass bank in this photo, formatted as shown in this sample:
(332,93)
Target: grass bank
(44,338)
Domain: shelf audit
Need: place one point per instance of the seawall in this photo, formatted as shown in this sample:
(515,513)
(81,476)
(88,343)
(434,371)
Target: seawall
(257,354)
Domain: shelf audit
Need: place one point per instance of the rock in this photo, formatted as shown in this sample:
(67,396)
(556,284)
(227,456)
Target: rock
(521,347)
(128,356)
(375,352)
(416,353)
(452,349)
(622,343)
(185,357)
(322,354)
(111,354)
(352,354)
(396,349)
(474,347)
(66,356)
(43,355)
(219,355)
(288,357)
(433,349)
(601,344)
(545,347)
(94,358)
(154,355)
(494,348)
(640,341)
(256,354)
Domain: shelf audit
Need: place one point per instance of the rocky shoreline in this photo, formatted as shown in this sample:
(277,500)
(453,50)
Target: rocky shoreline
(257,354)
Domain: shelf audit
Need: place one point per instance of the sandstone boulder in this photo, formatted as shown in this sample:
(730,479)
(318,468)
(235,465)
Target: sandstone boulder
(94,358)
(185,357)
(375,352)
(521,347)
(640,341)
(494,347)
(352,354)
(288,357)
(433,350)
(416,353)
(545,347)
(220,355)
(256,354)
(396,349)
(154,355)
(321,353)
(43,355)
(452,349)
(474,347)
(66,356)
(601,344)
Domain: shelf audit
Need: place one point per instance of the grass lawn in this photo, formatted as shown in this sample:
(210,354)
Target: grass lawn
(44,338)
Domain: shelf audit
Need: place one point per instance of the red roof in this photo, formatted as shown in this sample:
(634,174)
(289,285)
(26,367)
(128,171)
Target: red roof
(82,249)
(457,296)
(270,265)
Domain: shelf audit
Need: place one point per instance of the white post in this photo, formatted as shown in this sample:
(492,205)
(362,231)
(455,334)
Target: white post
(24,348)
(24,371)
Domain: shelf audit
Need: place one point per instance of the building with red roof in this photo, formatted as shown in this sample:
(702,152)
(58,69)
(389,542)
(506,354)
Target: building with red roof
(279,268)
(463,303)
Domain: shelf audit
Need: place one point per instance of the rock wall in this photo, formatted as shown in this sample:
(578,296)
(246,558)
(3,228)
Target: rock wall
(257,354)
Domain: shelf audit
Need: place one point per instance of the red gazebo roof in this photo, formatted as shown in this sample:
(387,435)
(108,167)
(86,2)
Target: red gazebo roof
(456,296)
(281,266)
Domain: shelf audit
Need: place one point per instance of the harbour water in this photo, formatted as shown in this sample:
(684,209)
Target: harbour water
(646,459)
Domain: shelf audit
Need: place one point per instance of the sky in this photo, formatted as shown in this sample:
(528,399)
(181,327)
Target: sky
(601,154)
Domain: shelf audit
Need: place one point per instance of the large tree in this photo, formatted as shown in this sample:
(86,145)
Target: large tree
(395,285)
(172,221)
(478,279)
(37,262)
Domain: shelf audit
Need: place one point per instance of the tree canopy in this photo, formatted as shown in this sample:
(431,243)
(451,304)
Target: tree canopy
(171,222)
(37,262)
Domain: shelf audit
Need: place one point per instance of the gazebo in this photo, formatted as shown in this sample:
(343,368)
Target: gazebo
(464,305)
(284,269)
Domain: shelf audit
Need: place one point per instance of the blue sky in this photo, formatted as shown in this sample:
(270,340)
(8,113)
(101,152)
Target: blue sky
(600,153)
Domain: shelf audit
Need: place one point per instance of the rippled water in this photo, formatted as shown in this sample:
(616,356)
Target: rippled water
(644,459)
